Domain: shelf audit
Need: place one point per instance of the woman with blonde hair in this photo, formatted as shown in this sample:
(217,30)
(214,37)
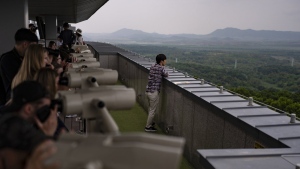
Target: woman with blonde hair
(35,58)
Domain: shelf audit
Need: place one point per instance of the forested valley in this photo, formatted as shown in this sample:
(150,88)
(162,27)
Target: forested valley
(268,74)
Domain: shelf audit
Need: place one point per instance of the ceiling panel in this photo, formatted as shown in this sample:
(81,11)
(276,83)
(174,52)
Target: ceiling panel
(72,11)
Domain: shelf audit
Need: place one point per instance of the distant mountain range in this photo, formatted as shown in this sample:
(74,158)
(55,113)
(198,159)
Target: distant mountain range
(227,34)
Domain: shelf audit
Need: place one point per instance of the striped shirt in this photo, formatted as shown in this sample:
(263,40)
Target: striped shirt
(157,72)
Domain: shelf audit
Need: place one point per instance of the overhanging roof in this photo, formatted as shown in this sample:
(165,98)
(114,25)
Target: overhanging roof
(72,11)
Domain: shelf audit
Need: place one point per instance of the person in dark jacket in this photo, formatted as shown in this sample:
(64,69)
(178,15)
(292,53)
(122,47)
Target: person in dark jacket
(10,62)
(67,37)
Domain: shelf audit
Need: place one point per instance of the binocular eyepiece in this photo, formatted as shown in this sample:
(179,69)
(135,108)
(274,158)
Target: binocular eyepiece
(58,103)
(44,112)
(64,81)
(69,60)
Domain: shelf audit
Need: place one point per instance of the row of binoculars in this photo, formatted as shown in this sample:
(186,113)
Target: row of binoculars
(93,90)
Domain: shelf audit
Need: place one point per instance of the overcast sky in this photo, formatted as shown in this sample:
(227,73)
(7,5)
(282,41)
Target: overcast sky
(194,16)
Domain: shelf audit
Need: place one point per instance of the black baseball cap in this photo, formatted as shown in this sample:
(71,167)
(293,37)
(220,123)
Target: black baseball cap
(25,92)
(24,34)
(66,25)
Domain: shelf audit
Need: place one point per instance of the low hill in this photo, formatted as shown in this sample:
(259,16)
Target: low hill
(232,36)
(249,34)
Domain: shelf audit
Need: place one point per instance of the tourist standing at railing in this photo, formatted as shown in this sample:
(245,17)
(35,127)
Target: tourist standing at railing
(79,39)
(157,72)
(67,37)
(10,62)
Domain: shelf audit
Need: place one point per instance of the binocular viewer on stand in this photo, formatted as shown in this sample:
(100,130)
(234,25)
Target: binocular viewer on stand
(85,64)
(126,151)
(85,78)
(79,55)
(92,100)
(81,48)
(92,105)
(86,59)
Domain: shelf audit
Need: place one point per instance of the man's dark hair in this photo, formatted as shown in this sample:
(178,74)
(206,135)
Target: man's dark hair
(66,25)
(24,34)
(160,57)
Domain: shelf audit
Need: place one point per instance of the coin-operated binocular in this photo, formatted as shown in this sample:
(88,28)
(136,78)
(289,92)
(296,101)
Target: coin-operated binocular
(85,56)
(79,55)
(86,59)
(92,78)
(85,64)
(93,104)
(91,69)
(80,47)
(126,151)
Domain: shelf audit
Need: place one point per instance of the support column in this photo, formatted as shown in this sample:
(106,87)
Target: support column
(50,28)
(13,16)
(60,24)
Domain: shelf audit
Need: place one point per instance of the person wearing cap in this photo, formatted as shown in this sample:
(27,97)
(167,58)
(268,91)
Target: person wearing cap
(10,62)
(79,39)
(23,146)
(31,101)
(67,36)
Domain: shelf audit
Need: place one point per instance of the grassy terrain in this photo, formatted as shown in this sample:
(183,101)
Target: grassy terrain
(258,66)
(134,120)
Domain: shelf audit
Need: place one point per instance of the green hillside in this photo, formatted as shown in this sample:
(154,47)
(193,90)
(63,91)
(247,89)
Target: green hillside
(252,70)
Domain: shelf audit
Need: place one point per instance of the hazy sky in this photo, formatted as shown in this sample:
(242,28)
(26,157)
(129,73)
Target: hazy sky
(194,16)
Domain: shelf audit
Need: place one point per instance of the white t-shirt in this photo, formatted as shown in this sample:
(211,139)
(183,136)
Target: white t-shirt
(79,40)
